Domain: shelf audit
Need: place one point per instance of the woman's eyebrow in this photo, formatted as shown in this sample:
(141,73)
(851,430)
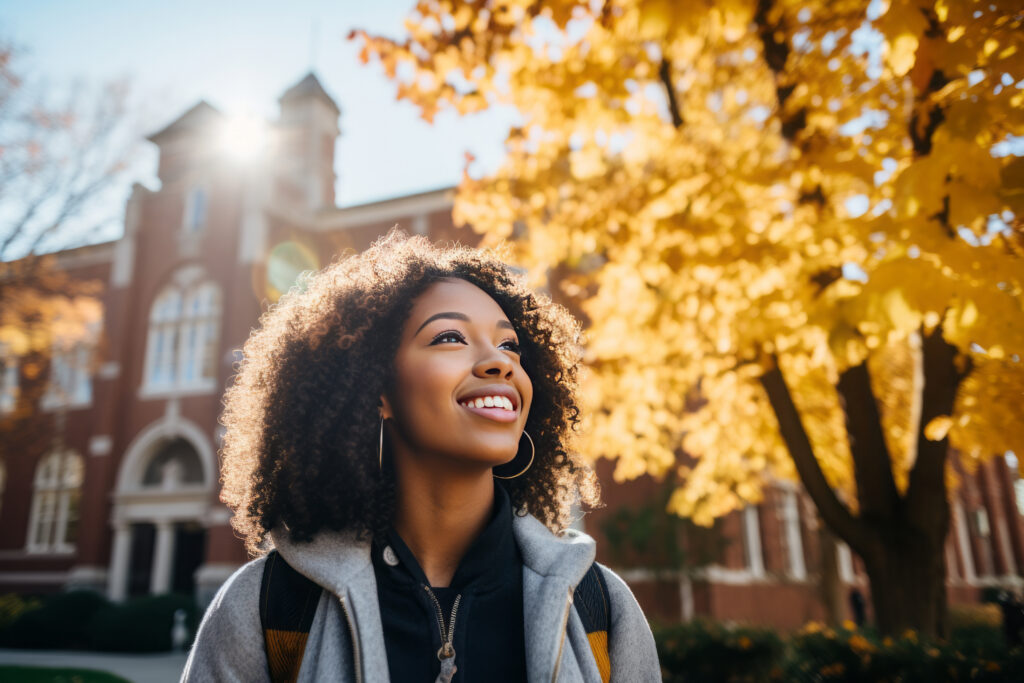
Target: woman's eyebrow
(454,315)
(450,315)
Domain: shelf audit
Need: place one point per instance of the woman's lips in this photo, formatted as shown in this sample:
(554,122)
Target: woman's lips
(496,414)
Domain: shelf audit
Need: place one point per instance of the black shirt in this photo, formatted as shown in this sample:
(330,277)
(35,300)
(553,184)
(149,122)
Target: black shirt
(488,637)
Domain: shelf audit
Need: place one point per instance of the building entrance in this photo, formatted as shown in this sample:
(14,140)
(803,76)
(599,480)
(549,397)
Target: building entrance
(163,497)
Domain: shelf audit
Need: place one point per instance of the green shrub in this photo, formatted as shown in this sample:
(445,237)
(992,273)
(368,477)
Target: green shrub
(61,623)
(817,654)
(13,606)
(700,651)
(141,624)
(35,674)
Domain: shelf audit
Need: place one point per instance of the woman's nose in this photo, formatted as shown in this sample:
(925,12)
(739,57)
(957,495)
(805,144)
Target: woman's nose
(494,364)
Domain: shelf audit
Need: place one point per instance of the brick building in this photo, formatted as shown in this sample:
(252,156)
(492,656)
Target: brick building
(124,497)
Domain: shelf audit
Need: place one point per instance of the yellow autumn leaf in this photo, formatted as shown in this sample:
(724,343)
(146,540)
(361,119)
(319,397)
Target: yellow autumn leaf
(902,53)
(938,427)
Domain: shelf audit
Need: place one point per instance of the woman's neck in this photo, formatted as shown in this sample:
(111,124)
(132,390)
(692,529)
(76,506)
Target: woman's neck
(440,514)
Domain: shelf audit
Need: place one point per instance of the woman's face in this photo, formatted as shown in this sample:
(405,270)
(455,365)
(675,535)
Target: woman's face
(460,391)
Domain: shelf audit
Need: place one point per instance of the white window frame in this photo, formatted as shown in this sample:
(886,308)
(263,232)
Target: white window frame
(197,209)
(182,341)
(753,554)
(56,502)
(9,381)
(789,511)
(1016,481)
(162,340)
(70,382)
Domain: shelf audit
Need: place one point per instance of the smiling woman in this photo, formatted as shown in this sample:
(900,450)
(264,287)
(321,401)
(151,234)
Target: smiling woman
(399,433)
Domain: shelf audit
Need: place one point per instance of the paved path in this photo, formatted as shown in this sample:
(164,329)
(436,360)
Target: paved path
(158,668)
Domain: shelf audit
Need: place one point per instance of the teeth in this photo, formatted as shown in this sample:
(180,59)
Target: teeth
(489,402)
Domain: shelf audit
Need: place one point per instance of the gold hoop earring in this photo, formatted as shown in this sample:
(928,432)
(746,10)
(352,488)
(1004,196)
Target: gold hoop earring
(380,448)
(533,452)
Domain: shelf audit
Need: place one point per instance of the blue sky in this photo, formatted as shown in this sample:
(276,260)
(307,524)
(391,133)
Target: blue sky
(240,57)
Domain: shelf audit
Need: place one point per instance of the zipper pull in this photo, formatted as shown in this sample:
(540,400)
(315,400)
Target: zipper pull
(448,668)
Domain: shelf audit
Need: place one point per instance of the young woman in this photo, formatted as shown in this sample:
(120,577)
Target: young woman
(399,433)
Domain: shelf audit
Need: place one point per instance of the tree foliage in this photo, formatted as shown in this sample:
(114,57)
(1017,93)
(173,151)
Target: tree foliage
(62,160)
(696,163)
(783,220)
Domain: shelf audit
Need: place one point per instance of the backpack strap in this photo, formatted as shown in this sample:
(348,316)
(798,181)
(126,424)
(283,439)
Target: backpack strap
(288,601)
(594,608)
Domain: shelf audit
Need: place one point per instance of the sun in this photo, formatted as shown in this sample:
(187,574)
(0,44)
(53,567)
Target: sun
(243,138)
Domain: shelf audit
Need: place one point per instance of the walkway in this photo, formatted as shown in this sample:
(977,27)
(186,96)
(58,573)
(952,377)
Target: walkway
(157,668)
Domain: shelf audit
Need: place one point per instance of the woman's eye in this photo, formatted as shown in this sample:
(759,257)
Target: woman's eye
(449,337)
(511,345)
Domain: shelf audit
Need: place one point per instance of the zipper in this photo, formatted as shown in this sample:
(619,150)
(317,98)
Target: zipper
(561,642)
(356,655)
(447,650)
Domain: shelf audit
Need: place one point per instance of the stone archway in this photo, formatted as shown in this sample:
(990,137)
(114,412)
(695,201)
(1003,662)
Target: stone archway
(164,494)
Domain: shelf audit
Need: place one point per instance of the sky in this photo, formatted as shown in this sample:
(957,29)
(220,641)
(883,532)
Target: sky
(240,57)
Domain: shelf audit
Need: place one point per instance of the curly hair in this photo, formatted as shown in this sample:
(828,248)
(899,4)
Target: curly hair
(301,418)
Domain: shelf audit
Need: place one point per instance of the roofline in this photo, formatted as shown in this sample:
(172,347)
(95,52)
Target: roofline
(382,210)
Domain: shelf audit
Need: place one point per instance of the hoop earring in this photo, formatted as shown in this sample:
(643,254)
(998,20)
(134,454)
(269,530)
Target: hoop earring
(533,452)
(380,448)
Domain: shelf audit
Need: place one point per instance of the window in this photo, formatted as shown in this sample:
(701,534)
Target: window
(753,557)
(183,336)
(8,380)
(71,372)
(163,339)
(792,541)
(195,210)
(199,334)
(69,375)
(53,523)
(1018,482)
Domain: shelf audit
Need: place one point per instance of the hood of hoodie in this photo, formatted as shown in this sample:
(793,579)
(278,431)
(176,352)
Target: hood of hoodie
(552,568)
(334,559)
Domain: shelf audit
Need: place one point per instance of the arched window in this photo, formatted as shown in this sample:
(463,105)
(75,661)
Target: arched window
(183,333)
(53,524)
(199,325)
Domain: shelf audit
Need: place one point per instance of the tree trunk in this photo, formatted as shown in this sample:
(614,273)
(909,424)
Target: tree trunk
(907,572)
(831,586)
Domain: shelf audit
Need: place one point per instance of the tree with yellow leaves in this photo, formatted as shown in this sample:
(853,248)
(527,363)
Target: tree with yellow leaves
(61,162)
(795,229)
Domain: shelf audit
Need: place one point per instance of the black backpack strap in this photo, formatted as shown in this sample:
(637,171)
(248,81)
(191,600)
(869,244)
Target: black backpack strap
(594,608)
(288,601)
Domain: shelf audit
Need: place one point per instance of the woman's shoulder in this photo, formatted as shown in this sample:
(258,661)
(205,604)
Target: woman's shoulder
(231,624)
(631,644)
(245,582)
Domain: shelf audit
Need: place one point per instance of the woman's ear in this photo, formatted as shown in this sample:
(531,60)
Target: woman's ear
(384,408)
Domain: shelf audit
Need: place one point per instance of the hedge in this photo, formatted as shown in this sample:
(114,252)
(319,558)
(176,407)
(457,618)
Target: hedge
(701,652)
(141,624)
(60,623)
(87,620)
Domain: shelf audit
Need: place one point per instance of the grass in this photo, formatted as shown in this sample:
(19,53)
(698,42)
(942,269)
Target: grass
(35,674)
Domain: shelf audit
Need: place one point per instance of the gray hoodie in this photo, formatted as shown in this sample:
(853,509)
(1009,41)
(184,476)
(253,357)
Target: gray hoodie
(346,635)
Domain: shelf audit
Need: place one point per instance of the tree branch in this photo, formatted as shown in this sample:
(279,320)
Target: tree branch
(872,466)
(832,510)
(665,74)
(926,491)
